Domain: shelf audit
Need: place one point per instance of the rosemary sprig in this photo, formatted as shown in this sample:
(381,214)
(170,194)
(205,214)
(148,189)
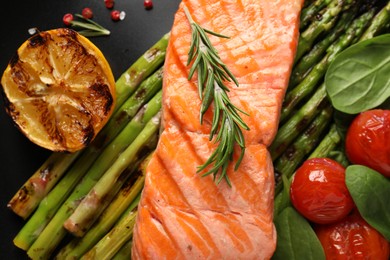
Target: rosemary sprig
(90,27)
(227,124)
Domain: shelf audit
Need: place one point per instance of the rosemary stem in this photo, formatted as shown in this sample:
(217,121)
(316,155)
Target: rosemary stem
(227,124)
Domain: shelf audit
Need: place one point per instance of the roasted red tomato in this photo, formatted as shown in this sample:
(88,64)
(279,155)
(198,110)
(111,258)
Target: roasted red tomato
(368,140)
(318,191)
(352,238)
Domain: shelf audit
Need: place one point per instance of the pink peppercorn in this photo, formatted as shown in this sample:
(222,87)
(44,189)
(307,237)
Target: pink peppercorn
(67,19)
(109,4)
(148,4)
(115,15)
(87,13)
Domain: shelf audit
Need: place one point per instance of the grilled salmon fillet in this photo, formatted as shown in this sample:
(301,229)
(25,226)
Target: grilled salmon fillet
(183,215)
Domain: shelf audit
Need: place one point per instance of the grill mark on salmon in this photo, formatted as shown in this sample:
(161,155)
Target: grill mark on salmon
(183,215)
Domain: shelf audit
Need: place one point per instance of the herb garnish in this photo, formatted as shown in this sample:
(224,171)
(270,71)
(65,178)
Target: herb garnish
(227,123)
(90,28)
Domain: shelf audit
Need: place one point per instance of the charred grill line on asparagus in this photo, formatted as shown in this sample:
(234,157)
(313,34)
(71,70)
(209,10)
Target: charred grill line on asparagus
(124,253)
(306,63)
(330,141)
(298,122)
(308,84)
(141,69)
(375,27)
(77,247)
(117,210)
(127,83)
(119,236)
(312,11)
(95,201)
(379,23)
(91,164)
(53,233)
(296,153)
(121,233)
(321,26)
(28,197)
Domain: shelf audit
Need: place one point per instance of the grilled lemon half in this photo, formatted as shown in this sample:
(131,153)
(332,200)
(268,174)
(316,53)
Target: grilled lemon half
(59,90)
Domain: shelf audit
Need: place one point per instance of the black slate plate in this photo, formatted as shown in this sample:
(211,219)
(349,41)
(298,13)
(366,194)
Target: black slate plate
(129,39)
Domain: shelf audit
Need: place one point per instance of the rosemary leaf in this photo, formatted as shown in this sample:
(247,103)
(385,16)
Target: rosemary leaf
(91,28)
(227,124)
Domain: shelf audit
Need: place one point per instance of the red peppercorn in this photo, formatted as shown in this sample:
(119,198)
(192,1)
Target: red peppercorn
(109,3)
(115,15)
(67,19)
(148,4)
(87,13)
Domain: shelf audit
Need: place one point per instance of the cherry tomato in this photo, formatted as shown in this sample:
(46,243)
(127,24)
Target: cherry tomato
(352,238)
(368,140)
(318,191)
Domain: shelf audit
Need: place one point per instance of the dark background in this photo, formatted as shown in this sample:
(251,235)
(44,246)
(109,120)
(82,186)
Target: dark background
(129,39)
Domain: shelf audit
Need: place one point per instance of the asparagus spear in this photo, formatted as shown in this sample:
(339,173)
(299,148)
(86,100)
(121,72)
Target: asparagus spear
(301,91)
(95,201)
(54,232)
(142,68)
(30,231)
(379,23)
(46,251)
(120,234)
(331,146)
(311,11)
(307,3)
(303,145)
(127,83)
(124,253)
(299,121)
(40,183)
(302,68)
(321,26)
(147,89)
(331,140)
(53,201)
(290,129)
(78,246)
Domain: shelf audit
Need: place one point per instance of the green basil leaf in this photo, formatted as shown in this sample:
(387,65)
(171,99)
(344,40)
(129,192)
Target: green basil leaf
(296,238)
(370,191)
(358,78)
